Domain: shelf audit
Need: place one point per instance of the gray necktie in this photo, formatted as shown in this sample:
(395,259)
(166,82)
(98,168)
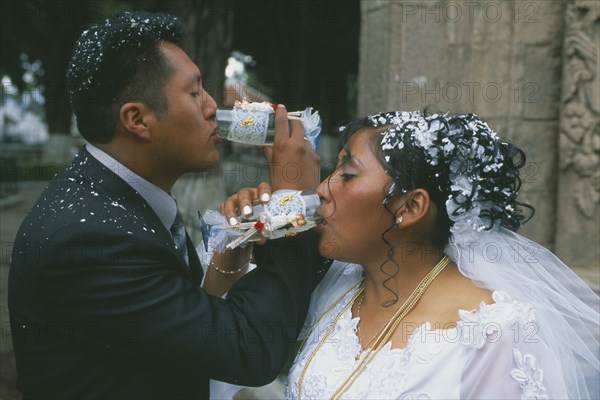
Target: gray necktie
(178,234)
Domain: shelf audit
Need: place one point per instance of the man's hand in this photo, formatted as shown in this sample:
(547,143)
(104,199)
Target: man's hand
(293,164)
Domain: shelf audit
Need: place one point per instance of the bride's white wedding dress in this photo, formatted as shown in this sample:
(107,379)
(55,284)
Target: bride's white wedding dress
(491,352)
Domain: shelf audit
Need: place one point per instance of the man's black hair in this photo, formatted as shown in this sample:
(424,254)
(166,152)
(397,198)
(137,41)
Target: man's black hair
(118,61)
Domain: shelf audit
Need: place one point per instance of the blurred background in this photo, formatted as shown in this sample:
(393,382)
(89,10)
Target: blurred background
(528,67)
(300,53)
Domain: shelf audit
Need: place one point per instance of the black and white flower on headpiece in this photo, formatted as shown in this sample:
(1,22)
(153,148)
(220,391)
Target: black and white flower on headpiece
(464,158)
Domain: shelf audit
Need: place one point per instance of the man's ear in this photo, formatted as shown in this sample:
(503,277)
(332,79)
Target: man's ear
(412,207)
(137,118)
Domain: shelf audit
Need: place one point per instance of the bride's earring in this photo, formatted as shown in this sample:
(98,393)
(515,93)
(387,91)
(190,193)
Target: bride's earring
(399,220)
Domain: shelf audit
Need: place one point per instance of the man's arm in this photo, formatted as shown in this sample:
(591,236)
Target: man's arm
(131,283)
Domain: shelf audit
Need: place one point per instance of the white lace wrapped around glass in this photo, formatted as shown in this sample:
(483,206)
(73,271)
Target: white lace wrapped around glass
(287,213)
(254,123)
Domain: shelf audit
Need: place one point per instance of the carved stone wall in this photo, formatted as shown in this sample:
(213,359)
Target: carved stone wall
(504,61)
(578,227)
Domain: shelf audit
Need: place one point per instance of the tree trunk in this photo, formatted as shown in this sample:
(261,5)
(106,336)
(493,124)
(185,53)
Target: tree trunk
(66,20)
(208,42)
(58,149)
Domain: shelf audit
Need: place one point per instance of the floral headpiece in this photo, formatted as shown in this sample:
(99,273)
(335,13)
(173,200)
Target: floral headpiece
(465,159)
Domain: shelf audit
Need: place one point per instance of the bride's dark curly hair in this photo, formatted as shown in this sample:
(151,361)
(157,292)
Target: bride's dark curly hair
(470,174)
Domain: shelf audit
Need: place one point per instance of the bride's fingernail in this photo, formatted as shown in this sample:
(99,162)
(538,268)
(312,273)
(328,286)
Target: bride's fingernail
(265,197)
(247,210)
(232,221)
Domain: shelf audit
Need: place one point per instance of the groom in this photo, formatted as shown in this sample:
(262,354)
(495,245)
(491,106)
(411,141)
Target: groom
(104,290)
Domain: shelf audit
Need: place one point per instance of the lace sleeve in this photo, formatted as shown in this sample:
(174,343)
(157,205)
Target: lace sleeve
(512,363)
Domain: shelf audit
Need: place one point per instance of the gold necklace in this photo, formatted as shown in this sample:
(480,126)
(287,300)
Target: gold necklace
(362,348)
(383,336)
(329,329)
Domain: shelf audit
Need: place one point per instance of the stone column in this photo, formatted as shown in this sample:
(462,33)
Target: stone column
(499,59)
(578,221)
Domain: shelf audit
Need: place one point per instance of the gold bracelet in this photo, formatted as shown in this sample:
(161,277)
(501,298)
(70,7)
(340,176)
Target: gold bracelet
(212,265)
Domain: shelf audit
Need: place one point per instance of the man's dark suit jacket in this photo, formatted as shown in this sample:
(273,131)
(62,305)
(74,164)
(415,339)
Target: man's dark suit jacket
(103,306)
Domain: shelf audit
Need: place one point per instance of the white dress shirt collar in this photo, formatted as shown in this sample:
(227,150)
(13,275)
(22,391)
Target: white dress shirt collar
(162,203)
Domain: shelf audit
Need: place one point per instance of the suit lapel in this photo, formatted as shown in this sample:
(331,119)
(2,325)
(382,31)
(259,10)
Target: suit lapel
(93,170)
(196,270)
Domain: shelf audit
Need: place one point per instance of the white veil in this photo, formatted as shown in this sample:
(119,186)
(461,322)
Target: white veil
(464,151)
(566,308)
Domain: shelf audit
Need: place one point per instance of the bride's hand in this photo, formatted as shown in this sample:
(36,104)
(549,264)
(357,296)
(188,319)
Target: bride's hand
(241,202)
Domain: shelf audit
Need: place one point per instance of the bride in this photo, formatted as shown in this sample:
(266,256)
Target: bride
(432,294)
